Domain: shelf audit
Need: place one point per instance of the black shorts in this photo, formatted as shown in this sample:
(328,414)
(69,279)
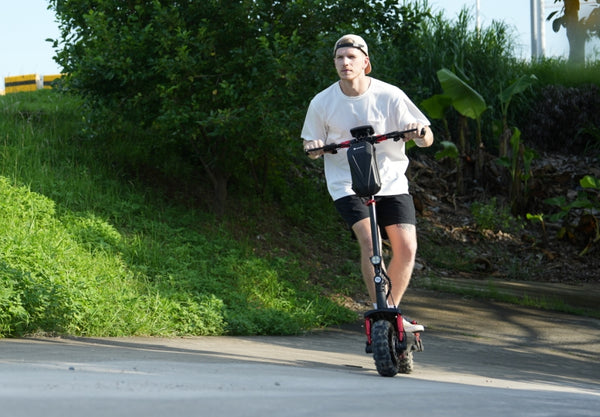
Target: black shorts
(392,209)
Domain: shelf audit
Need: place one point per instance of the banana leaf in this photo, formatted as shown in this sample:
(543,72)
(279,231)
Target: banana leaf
(465,99)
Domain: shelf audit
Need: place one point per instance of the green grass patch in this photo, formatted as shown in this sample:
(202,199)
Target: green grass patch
(86,251)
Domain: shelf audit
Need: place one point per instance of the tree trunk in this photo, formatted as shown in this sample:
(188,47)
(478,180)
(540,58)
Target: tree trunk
(479,154)
(220,194)
(575,32)
(462,153)
(219,181)
(516,198)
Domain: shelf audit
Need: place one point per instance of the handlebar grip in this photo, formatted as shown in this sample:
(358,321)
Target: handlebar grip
(332,147)
(401,135)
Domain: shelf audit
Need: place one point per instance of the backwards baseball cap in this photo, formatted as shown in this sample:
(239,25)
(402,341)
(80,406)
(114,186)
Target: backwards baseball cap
(353,41)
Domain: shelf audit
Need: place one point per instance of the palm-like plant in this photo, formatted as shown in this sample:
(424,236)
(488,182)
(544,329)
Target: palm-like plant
(469,104)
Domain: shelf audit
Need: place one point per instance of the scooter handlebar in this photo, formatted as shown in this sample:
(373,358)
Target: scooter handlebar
(395,136)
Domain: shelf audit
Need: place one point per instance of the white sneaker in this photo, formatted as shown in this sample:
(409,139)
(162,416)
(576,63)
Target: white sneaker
(412,327)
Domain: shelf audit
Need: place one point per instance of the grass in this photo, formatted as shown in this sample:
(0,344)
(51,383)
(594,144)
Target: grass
(86,251)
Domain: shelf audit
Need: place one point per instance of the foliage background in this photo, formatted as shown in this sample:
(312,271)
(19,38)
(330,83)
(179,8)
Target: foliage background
(215,91)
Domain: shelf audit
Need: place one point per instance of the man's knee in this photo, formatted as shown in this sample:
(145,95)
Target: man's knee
(403,238)
(362,231)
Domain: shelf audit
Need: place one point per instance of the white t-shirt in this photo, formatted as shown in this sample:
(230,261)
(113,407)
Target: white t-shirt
(330,116)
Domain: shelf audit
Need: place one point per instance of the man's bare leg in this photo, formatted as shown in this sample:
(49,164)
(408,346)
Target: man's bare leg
(403,239)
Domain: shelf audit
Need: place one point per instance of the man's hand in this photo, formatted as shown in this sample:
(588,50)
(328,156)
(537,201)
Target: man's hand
(423,136)
(313,144)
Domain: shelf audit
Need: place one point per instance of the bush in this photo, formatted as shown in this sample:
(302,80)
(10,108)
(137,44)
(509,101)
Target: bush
(490,216)
(565,119)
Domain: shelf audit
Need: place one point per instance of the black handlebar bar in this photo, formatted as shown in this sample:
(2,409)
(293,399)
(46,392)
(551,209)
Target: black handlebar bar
(395,136)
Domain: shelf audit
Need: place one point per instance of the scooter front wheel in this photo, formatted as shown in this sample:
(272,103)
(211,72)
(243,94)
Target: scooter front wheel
(384,339)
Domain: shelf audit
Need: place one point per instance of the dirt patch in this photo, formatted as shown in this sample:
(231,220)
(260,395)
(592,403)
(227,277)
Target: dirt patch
(456,239)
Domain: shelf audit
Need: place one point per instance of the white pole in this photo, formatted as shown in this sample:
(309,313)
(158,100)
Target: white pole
(541,30)
(478,21)
(534,26)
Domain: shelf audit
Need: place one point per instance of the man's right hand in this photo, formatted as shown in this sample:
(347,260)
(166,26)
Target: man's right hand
(313,144)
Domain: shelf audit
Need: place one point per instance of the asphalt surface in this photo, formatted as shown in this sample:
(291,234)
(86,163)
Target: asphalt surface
(481,359)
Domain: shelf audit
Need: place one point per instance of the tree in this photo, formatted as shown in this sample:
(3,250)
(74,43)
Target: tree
(223,84)
(186,78)
(578,30)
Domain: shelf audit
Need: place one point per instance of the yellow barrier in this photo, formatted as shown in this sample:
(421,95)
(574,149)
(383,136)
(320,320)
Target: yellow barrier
(18,83)
(30,82)
(49,79)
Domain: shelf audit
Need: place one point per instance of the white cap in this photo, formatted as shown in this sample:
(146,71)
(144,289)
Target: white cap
(353,41)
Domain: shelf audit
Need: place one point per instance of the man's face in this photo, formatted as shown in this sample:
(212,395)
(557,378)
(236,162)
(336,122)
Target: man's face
(350,63)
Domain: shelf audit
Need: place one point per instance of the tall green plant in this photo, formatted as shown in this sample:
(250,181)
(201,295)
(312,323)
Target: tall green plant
(514,155)
(519,166)
(505,97)
(468,103)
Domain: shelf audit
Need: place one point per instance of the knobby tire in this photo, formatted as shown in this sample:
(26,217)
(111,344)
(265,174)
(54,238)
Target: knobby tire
(384,348)
(388,360)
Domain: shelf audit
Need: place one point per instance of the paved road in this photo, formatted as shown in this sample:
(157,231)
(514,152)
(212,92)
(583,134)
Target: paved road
(480,359)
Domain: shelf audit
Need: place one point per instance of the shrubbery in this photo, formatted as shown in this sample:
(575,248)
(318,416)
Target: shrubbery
(566,119)
(220,86)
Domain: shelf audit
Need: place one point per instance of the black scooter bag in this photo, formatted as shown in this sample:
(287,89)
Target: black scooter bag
(363,167)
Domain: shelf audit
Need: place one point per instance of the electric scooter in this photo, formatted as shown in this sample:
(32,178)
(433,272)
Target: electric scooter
(392,347)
